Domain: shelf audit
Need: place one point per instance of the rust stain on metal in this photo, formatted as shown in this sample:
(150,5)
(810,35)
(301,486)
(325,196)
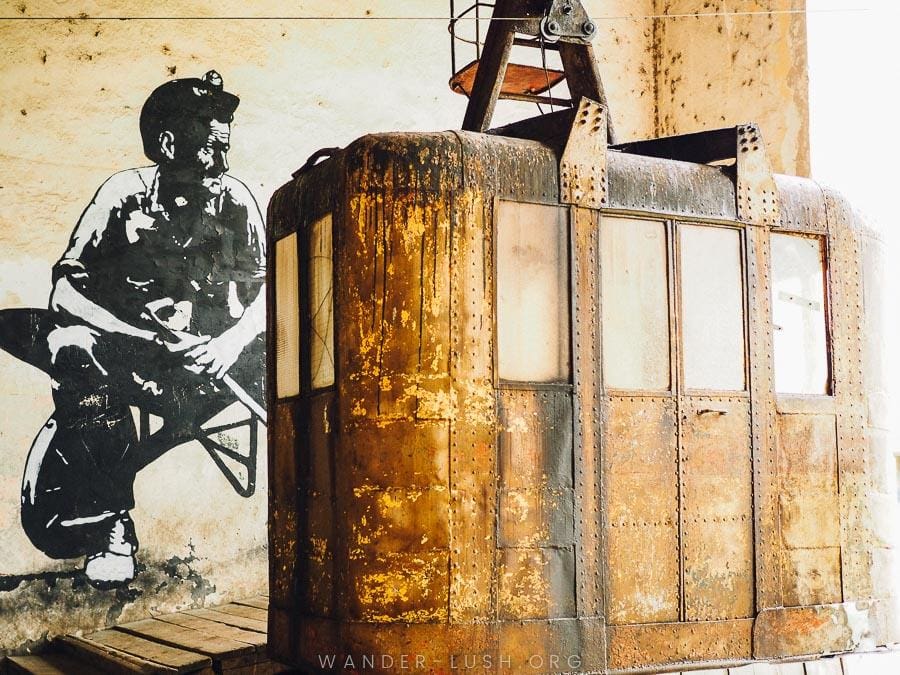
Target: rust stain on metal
(717,513)
(670,643)
(400,587)
(641,484)
(757,199)
(582,166)
(810,630)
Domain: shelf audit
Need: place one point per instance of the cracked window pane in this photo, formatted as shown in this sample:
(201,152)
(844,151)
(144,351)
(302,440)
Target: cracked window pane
(321,303)
(635,303)
(798,315)
(287,318)
(532,293)
(712,300)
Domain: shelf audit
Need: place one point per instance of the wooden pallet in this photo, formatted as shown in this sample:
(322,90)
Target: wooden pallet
(230,639)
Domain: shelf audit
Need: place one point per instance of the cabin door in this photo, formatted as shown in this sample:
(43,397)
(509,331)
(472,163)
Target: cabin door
(676,448)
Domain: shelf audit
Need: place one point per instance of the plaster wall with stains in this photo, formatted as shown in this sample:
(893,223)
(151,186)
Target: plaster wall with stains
(74,76)
(735,61)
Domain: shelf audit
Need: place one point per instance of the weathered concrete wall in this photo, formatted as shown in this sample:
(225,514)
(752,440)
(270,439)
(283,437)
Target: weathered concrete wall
(736,61)
(627,63)
(73,89)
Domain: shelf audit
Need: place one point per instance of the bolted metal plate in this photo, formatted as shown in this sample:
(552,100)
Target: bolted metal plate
(811,576)
(388,162)
(536,583)
(669,187)
(511,168)
(673,643)
(283,505)
(799,631)
(535,438)
(419,458)
(807,452)
(390,587)
(854,471)
(757,197)
(393,309)
(767,530)
(539,516)
(716,508)
(437,647)
(567,19)
(473,467)
(582,166)
(589,530)
(810,508)
(399,519)
(809,519)
(802,204)
(640,480)
(315,593)
(315,467)
(560,645)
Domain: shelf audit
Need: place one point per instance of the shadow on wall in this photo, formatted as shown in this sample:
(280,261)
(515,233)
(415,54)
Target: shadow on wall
(69,601)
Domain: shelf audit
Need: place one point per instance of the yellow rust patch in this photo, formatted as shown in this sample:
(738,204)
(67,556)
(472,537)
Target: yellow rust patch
(517,424)
(318,548)
(524,588)
(517,506)
(398,519)
(402,587)
(395,499)
(438,362)
(478,402)
(433,404)
(414,228)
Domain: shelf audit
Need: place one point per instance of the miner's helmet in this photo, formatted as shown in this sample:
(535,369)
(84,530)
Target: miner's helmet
(177,102)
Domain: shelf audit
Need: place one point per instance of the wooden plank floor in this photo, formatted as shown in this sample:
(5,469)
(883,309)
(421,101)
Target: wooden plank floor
(229,639)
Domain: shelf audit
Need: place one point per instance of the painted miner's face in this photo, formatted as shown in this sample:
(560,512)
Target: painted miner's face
(201,152)
(212,156)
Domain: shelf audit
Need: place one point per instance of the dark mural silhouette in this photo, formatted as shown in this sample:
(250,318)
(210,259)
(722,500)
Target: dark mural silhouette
(157,304)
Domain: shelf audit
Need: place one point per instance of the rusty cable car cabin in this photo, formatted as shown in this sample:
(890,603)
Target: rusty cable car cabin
(547,404)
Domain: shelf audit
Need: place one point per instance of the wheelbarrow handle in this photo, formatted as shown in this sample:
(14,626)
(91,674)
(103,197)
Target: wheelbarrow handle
(245,398)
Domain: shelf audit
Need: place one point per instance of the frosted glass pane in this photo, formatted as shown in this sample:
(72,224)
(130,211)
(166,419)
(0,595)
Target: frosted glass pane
(798,315)
(533,293)
(287,318)
(635,304)
(321,304)
(712,301)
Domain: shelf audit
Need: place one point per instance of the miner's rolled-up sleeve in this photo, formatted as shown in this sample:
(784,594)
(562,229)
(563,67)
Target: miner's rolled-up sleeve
(86,252)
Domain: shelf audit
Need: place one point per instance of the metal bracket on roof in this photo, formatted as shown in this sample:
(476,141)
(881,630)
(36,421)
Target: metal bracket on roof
(567,19)
(582,165)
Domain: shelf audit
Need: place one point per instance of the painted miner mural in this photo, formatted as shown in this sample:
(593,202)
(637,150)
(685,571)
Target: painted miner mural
(156,312)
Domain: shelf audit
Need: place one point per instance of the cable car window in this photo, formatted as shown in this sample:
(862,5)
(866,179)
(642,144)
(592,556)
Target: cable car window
(532,293)
(287,318)
(321,303)
(712,302)
(635,303)
(798,315)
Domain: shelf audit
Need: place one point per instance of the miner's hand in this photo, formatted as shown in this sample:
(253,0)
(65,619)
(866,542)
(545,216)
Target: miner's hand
(179,341)
(217,355)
